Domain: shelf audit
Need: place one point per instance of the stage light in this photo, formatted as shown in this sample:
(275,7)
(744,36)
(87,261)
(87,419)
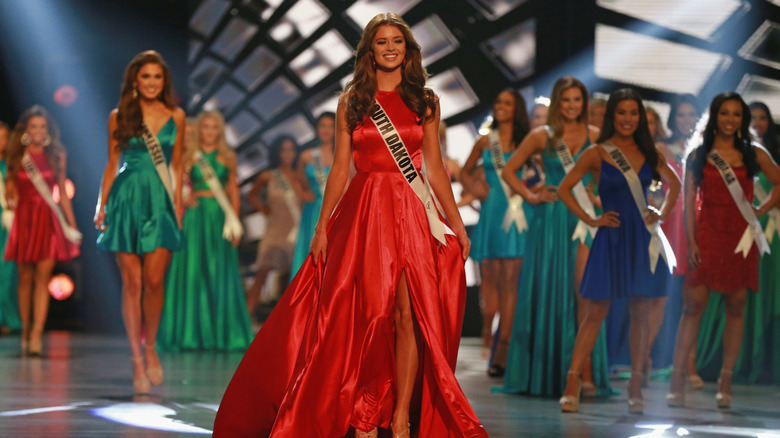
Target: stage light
(362,11)
(66,95)
(494,9)
(434,38)
(699,18)
(274,98)
(319,60)
(202,78)
(762,46)
(207,16)
(297,126)
(460,141)
(299,23)
(454,91)
(632,58)
(251,159)
(257,67)
(758,88)
(227,95)
(327,100)
(241,127)
(147,416)
(254,225)
(233,38)
(61,287)
(70,189)
(514,50)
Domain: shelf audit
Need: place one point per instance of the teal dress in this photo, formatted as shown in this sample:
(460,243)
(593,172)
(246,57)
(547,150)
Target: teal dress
(140,216)
(309,217)
(205,305)
(545,324)
(9,301)
(489,240)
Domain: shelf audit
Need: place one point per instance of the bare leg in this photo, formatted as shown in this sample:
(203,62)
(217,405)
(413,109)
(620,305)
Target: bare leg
(694,303)
(657,311)
(507,302)
(582,309)
(130,269)
(639,334)
(583,346)
(405,356)
(732,337)
(155,265)
(254,291)
(24,290)
(40,302)
(488,292)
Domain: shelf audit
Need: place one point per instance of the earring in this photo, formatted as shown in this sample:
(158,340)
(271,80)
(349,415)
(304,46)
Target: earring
(47,140)
(739,134)
(135,93)
(373,61)
(404,62)
(26,140)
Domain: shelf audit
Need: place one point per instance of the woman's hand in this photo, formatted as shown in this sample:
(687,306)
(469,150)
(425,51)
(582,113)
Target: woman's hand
(308,196)
(694,257)
(464,241)
(319,245)
(480,189)
(100,218)
(608,219)
(652,215)
(548,194)
(236,240)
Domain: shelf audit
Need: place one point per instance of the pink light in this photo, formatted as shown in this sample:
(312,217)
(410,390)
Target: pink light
(66,95)
(61,287)
(70,189)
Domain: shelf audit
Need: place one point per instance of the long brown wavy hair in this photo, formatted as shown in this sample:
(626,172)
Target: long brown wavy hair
(129,115)
(555,118)
(15,149)
(360,91)
(223,147)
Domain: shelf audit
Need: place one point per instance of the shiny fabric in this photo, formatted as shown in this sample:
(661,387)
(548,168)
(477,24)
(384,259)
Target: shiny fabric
(325,358)
(36,233)
(488,239)
(140,216)
(719,226)
(545,323)
(9,301)
(275,249)
(619,263)
(759,358)
(309,216)
(205,305)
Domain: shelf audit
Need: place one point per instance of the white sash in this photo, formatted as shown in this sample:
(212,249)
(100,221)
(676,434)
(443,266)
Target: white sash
(514,213)
(319,170)
(580,194)
(232,228)
(72,234)
(403,160)
(773,221)
(7,216)
(156,152)
(292,204)
(753,232)
(658,243)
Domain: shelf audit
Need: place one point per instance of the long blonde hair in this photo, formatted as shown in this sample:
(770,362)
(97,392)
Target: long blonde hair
(555,118)
(223,147)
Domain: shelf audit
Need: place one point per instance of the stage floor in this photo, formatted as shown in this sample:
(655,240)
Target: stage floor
(82,388)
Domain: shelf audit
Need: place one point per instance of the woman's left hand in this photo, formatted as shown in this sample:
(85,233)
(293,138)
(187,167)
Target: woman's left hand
(464,241)
(652,215)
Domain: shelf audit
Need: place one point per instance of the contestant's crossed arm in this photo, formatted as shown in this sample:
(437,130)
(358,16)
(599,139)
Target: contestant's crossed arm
(589,161)
(532,143)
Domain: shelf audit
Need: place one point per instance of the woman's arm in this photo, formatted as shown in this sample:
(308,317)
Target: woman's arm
(589,161)
(532,143)
(109,174)
(232,188)
(772,172)
(65,203)
(669,176)
(689,212)
(254,194)
(467,179)
(176,157)
(304,192)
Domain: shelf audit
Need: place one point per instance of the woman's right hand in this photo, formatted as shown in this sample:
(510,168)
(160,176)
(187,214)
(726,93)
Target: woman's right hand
(319,245)
(608,219)
(694,257)
(548,194)
(480,189)
(100,218)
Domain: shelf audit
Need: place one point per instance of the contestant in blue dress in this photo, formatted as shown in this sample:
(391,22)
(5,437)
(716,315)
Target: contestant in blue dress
(313,168)
(620,262)
(498,240)
(546,317)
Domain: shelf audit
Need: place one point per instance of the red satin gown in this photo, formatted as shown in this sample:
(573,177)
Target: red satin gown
(36,233)
(325,358)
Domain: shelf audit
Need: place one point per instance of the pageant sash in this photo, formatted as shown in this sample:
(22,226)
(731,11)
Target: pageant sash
(403,160)
(773,221)
(753,232)
(580,194)
(292,203)
(514,213)
(156,152)
(7,216)
(72,234)
(232,228)
(319,170)
(659,245)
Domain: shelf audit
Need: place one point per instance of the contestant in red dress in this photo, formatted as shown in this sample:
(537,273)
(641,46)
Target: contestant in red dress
(37,240)
(714,230)
(380,300)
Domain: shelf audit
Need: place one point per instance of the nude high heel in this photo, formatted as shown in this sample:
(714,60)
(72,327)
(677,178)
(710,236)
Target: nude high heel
(721,398)
(155,374)
(571,403)
(676,399)
(140,386)
(407,432)
(374,433)
(636,405)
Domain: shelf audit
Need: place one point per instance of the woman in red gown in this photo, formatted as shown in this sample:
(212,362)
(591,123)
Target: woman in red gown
(714,229)
(37,240)
(367,334)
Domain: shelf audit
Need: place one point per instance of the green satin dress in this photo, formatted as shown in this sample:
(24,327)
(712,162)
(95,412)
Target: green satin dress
(205,305)
(9,301)
(759,357)
(545,324)
(140,215)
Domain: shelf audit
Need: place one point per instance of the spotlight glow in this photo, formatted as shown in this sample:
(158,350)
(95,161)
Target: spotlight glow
(61,287)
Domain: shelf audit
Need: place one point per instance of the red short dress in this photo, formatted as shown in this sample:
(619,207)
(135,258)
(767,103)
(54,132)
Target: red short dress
(719,227)
(36,233)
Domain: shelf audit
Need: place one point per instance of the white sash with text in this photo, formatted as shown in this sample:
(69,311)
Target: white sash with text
(72,234)
(514,213)
(232,228)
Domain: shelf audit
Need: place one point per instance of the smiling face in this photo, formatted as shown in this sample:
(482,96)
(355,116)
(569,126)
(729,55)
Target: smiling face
(539,116)
(571,104)
(326,130)
(626,118)
(287,153)
(729,117)
(759,121)
(37,129)
(208,131)
(685,119)
(504,107)
(150,81)
(388,47)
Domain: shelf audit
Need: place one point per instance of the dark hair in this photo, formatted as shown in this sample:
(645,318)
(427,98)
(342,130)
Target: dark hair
(330,114)
(641,136)
(14,150)
(698,157)
(5,126)
(671,122)
(770,138)
(275,152)
(520,122)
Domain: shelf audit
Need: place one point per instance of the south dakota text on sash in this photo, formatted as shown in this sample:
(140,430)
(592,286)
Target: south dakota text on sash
(393,141)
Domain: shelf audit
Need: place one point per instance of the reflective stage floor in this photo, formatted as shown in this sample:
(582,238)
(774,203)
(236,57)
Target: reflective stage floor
(82,388)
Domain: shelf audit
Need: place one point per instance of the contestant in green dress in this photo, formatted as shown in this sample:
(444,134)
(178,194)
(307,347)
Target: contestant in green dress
(205,306)
(138,205)
(9,301)
(313,168)
(546,317)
